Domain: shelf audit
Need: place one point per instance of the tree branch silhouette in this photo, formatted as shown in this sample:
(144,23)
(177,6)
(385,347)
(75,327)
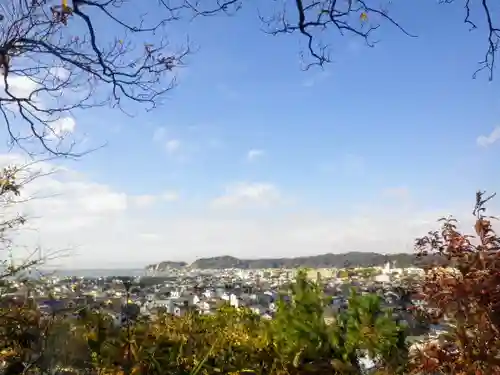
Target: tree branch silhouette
(55,59)
(320,21)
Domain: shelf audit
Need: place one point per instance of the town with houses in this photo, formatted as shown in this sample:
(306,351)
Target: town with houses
(178,291)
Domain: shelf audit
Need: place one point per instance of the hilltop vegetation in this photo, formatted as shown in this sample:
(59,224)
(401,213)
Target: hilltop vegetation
(343,260)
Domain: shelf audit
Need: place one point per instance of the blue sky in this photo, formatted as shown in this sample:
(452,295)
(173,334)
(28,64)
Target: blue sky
(404,107)
(387,131)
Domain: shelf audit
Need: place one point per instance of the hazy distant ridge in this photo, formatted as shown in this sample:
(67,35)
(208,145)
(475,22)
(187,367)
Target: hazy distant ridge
(350,259)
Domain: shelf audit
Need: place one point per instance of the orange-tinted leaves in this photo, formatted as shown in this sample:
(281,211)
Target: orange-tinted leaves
(467,294)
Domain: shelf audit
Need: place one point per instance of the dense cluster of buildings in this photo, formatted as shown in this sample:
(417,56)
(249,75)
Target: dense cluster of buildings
(177,291)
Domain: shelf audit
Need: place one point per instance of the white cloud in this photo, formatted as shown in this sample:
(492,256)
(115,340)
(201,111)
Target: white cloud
(97,199)
(36,89)
(60,73)
(63,198)
(245,194)
(149,236)
(20,86)
(25,87)
(488,140)
(96,220)
(255,154)
(173,146)
(62,127)
(148,200)
(170,196)
(142,201)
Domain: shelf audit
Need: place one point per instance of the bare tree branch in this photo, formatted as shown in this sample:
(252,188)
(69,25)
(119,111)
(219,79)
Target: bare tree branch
(310,18)
(195,8)
(56,58)
(319,20)
(62,56)
(14,193)
(492,31)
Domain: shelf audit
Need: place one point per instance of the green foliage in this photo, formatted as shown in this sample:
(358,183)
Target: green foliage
(297,341)
(372,330)
(308,343)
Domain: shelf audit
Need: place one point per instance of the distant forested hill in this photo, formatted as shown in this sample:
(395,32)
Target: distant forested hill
(350,259)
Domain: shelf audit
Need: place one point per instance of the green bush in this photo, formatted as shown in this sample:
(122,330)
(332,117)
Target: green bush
(297,341)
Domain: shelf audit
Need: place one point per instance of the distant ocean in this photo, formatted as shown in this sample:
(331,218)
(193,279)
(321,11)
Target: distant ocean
(94,272)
